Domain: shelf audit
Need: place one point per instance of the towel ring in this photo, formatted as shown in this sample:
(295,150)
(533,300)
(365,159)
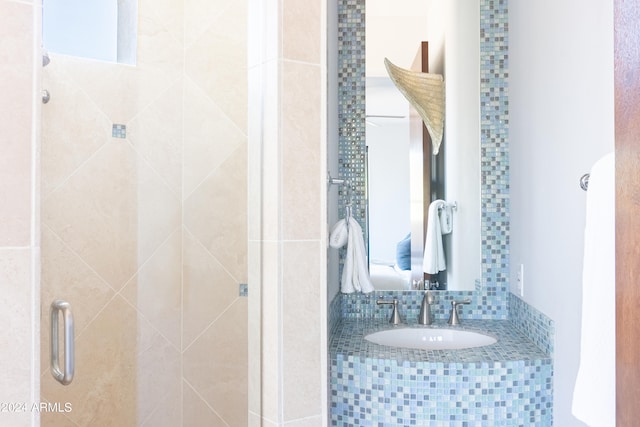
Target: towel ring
(584,181)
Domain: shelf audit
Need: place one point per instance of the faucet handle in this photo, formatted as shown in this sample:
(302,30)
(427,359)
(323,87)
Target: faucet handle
(395,319)
(454,319)
(424,318)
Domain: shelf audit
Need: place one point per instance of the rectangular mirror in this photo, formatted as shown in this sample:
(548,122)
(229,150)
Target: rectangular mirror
(396,158)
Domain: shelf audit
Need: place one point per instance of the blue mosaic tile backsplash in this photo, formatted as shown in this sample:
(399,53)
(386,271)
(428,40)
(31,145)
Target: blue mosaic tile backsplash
(491,301)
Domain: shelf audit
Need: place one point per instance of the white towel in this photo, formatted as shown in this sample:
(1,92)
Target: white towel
(355,272)
(434,260)
(339,234)
(594,396)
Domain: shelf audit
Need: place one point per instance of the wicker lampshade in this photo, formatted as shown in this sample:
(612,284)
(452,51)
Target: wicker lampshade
(425,92)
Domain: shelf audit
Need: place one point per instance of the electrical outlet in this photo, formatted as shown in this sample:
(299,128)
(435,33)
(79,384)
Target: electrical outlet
(520,280)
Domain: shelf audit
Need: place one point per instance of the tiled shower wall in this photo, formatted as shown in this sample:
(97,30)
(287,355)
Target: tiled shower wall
(144,222)
(18,211)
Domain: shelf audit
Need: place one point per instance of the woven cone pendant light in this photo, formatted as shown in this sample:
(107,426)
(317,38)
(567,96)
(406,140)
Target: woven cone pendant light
(425,92)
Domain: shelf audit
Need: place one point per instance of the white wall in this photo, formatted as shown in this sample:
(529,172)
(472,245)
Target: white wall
(561,122)
(388,178)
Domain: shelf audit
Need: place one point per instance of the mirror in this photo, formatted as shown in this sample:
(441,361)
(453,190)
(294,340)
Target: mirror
(396,160)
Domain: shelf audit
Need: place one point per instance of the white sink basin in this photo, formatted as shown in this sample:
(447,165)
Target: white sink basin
(431,338)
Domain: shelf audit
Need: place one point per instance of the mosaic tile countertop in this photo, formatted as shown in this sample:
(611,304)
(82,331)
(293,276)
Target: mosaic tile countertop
(348,340)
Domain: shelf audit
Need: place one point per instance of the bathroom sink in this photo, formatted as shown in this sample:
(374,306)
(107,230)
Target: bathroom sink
(431,338)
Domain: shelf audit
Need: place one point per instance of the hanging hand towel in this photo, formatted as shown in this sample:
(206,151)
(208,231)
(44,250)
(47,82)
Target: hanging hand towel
(594,395)
(355,272)
(434,260)
(339,234)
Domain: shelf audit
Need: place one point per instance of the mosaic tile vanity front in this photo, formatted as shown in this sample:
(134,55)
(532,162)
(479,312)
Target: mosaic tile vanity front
(505,384)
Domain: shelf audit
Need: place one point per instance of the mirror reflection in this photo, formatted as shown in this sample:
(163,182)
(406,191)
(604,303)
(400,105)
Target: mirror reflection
(404,177)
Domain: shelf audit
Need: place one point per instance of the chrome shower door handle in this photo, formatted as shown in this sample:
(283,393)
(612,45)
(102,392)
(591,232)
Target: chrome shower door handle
(57,307)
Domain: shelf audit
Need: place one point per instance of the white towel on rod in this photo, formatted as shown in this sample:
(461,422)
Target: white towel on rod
(434,260)
(594,396)
(355,272)
(339,234)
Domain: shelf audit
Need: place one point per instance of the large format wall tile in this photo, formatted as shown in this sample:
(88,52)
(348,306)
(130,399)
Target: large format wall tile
(73,127)
(156,290)
(301,340)
(156,134)
(215,365)
(196,411)
(15,317)
(95,213)
(208,290)
(301,151)
(210,137)
(223,76)
(16,41)
(65,276)
(105,361)
(216,214)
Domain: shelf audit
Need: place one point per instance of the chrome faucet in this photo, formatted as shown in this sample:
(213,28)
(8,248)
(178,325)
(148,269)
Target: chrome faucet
(453,317)
(395,319)
(424,318)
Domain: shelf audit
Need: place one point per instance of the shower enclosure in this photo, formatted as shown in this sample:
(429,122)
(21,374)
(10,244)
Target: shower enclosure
(143,230)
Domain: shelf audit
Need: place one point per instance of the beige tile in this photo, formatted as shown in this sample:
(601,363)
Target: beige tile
(168,14)
(158,209)
(56,419)
(95,213)
(156,291)
(156,134)
(216,365)
(168,414)
(196,412)
(301,151)
(114,212)
(301,30)
(16,331)
(106,360)
(300,329)
(216,214)
(65,147)
(16,46)
(200,15)
(15,176)
(159,52)
(65,276)
(208,291)
(223,76)
(159,377)
(210,137)
(16,35)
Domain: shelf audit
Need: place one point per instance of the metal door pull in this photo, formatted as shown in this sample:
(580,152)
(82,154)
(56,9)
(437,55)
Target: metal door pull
(57,307)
